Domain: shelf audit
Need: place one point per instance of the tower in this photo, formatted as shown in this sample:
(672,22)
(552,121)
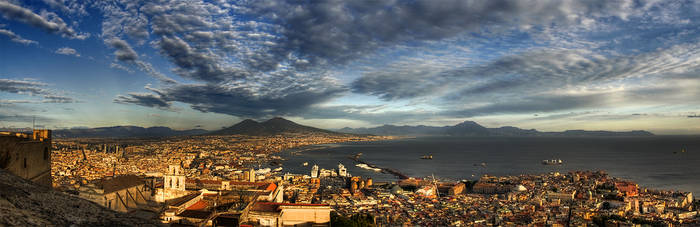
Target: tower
(174,179)
(341,170)
(314,171)
(251,175)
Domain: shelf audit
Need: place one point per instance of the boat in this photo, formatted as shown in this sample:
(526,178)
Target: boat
(277,169)
(426,157)
(305,164)
(552,162)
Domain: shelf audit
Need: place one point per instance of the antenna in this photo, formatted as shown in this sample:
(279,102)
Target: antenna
(33,122)
(437,192)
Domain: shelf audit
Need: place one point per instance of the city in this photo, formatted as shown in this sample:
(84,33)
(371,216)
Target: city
(285,113)
(222,180)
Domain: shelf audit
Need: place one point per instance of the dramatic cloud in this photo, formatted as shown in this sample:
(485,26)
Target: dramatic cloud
(385,61)
(32,88)
(338,31)
(123,52)
(67,51)
(270,98)
(48,21)
(16,38)
(22,87)
(73,7)
(144,99)
(239,58)
(528,72)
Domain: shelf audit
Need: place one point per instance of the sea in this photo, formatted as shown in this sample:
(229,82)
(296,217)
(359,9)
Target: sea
(658,162)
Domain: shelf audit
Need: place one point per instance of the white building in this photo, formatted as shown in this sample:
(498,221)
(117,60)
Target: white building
(342,171)
(173,185)
(314,171)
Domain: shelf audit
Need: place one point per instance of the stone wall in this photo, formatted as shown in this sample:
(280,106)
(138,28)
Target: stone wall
(26,156)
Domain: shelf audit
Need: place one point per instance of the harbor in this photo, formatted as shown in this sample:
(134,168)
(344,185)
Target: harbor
(394,172)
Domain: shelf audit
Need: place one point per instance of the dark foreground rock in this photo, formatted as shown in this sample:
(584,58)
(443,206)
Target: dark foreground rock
(23,203)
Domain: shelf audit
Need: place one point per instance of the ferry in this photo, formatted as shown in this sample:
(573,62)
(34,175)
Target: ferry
(552,162)
(426,157)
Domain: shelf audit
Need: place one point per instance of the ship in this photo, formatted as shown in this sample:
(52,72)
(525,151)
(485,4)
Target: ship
(552,162)
(426,157)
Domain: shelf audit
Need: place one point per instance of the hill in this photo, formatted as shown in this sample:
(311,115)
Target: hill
(24,203)
(470,128)
(274,126)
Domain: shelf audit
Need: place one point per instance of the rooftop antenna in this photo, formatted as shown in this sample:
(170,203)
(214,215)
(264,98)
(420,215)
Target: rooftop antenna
(437,192)
(33,122)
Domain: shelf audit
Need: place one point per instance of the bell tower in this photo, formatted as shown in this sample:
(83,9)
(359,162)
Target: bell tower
(174,179)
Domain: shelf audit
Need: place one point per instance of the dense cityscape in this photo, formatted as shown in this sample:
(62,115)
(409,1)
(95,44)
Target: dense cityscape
(579,198)
(347,113)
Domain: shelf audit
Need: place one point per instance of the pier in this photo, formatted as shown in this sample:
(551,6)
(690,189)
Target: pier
(396,173)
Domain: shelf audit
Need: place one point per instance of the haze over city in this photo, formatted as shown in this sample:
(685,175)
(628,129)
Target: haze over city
(548,65)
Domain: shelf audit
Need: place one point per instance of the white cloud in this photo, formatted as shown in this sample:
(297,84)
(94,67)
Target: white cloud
(67,51)
(16,38)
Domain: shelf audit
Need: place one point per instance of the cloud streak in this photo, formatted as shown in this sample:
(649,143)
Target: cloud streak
(32,88)
(49,22)
(16,38)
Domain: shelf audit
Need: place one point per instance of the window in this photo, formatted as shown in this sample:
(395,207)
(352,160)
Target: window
(25,163)
(46,153)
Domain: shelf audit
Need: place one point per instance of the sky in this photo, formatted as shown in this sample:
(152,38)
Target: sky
(550,65)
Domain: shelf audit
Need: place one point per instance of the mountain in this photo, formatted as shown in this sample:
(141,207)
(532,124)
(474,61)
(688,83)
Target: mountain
(24,203)
(274,126)
(124,132)
(470,128)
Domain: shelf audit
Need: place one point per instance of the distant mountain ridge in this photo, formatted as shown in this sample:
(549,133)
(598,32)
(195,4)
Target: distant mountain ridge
(470,128)
(124,132)
(274,126)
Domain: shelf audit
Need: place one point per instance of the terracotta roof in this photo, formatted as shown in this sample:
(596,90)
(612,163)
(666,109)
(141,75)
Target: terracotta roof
(119,183)
(264,207)
(199,205)
(271,187)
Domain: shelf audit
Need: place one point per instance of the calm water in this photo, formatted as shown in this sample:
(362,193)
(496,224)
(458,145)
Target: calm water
(649,161)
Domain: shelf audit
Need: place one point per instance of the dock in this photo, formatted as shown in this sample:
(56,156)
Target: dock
(394,172)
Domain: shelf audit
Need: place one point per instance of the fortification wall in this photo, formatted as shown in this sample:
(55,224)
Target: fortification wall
(28,158)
